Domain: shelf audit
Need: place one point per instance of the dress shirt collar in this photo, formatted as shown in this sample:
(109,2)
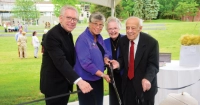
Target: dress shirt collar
(64,29)
(136,40)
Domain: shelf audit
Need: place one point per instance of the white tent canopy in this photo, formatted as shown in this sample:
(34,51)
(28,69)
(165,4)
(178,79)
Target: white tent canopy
(107,3)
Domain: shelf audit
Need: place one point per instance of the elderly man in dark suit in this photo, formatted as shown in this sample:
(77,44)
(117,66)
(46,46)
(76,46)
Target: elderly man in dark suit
(139,56)
(57,74)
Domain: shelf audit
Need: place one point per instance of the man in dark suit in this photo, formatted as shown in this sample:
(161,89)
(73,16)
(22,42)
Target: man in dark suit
(57,75)
(139,80)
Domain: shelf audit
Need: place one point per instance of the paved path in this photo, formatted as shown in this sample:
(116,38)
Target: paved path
(105,101)
(146,27)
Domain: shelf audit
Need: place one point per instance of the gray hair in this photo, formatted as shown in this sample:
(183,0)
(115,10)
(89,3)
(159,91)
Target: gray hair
(66,7)
(113,19)
(97,16)
(140,20)
(45,31)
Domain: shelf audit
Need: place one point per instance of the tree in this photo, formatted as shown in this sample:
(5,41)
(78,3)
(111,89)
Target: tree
(198,2)
(167,8)
(187,8)
(106,10)
(127,6)
(59,3)
(181,9)
(146,9)
(138,8)
(193,9)
(151,9)
(25,10)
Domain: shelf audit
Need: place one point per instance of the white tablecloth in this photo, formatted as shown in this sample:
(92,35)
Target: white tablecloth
(173,76)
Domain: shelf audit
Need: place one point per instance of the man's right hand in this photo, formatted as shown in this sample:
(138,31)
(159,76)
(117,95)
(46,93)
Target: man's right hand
(115,64)
(84,86)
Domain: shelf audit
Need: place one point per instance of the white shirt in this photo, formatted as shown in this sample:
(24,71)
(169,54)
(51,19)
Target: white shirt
(136,41)
(35,41)
(17,35)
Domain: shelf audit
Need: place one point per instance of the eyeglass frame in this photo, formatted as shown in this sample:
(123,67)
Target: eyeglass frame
(97,25)
(70,19)
(111,29)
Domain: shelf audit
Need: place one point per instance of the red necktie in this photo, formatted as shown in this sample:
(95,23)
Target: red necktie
(131,61)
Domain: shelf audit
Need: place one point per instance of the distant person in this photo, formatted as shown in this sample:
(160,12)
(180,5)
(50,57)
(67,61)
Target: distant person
(16,28)
(5,27)
(35,43)
(113,26)
(48,24)
(17,35)
(139,56)
(26,27)
(19,25)
(43,36)
(22,41)
(9,28)
(91,57)
(57,74)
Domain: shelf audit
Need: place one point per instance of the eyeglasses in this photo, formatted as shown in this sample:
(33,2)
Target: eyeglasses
(112,29)
(70,19)
(97,25)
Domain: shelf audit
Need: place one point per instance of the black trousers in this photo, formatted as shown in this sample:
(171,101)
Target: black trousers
(95,97)
(132,98)
(57,101)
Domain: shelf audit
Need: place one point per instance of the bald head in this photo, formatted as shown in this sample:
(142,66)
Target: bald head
(135,19)
(133,27)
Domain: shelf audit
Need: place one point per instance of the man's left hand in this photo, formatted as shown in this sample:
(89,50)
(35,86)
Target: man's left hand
(146,85)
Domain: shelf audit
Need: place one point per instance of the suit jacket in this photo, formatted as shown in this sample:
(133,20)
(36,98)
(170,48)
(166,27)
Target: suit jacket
(43,37)
(57,74)
(146,64)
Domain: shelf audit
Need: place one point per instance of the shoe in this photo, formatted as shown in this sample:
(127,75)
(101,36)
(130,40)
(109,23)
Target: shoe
(35,57)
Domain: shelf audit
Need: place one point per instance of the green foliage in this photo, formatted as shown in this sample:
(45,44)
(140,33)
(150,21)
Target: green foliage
(151,9)
(138,8)
(186,8)
(128,9)
(106,10)
(181,9)
(59,3)
(198,2)
(119,12)
(167,8)
(26,10)
(146,9)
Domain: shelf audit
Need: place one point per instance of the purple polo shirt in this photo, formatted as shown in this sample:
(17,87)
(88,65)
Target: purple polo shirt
(88,56)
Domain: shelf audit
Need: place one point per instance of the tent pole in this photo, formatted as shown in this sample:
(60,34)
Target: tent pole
(112,8)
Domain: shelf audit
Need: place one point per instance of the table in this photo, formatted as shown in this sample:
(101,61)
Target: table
(173,76)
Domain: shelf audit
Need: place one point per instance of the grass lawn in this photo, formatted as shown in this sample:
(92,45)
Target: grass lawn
(19,78)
